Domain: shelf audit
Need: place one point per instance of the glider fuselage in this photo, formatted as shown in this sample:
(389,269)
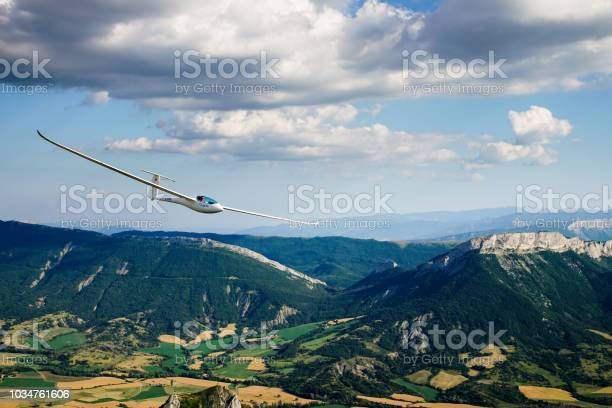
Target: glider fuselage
(205,205)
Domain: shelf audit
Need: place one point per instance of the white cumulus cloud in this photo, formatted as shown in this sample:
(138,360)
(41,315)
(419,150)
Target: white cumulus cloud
(97,98)
(534,130)
(537,126)
(298,133)
(503,152)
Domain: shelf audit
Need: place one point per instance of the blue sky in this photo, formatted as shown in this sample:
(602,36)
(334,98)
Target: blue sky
(434,153)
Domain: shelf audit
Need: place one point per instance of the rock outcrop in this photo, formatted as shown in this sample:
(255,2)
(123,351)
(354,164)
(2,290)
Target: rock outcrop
(522,243)
(214,397)
(281,316)
(52,264)
(539,241)
(173,402)
(89,280)
(261,258)
(362,367)
(123,269)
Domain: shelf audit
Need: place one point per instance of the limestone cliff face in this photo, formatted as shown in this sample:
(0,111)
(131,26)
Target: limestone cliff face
(260,258)
(89,280)
(281,316)
(362,367)
(173,402)
(214,397)
(52,263)
(219,397)
(523,243)
(540,241)
(412,336)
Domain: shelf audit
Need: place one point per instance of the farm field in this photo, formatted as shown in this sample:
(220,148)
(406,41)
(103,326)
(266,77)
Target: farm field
(546,394)
(111,391)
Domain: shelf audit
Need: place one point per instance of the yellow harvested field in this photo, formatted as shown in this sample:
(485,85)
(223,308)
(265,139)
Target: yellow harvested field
(419,377)
(386,401)
(94,395)
(149,403)
(490,356)
(168,338)
(443,405)
(604,390)
(257,364)
(419,403)
(602,334)
(138,361)
(269,395)
(261,339)
(343,320)
(154,402)
(196,382)
(406,397)
(195,363)
(545,393)
(228,330)
(13,404)
(94,389)
(204,336)
(445,380)
(89,383)
(123,386)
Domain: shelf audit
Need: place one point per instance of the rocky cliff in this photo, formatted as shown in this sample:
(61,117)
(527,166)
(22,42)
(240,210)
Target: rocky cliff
(214,397)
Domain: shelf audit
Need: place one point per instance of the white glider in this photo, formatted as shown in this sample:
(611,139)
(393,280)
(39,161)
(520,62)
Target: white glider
(201,203)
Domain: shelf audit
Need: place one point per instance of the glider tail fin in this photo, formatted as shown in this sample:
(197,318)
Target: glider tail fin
(156,180)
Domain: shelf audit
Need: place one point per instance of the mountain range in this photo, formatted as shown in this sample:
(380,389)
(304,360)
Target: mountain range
(540,304)
(452,225)
(547,297)
(99,278)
